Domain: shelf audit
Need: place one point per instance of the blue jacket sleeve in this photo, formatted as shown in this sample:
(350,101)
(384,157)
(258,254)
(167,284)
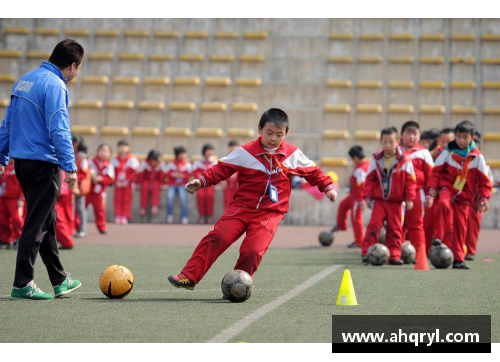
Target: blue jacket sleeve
(5,138)
(57,118)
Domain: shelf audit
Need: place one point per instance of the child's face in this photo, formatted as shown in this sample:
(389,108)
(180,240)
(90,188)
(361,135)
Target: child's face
(389,143)
(123,150)
(182,156)
(209,153)
(410,137)
(272,136)
(446,138)
(425,143)
(463,139)
(231,149)
(104,153)
(154,163)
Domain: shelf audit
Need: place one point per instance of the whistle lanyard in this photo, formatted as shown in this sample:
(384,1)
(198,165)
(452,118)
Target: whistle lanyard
(264,158)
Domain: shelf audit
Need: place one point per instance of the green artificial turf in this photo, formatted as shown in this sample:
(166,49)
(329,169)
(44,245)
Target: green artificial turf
(157,312)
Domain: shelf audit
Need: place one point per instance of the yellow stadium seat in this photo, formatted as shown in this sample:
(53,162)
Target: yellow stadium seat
(101,56)
(244,107)
(89,104)
(401,84)
(458,60)
(240,132)
(47,32)
(222,58)
(432,60)
(463,110)
(493,163)
(432,37)
(341,36)
(4,102)
(249,82)
(335,134)
(340,59)
(402,37)
(369,84)
(107,33)
(337,108)
(463,85)
(151,105)
(187,81)
(135,33)
(490,37)
(120,104)
(492,136)
(252,58)
(368,36)
(191,57)
(491,110)
(369,108)
(370,59)
(177,132)
(7,78)
(84,130)
(77,32)
(161,57)
(183,106)
(209,132)
(146,131)
(255,35)
(10,53)
(114,131)
(17,31)
(226,35)
(400,109)
(126,80)
(213,107)
(156,80)
(401,60)
(131,56)
(95,79)
(493,61)
(462,37)
(366,135)
(338,83)
(432,84)
(36,54)
(218,81)
(426,109)
(196,34)
(491,85)
(333,161)
(166,34)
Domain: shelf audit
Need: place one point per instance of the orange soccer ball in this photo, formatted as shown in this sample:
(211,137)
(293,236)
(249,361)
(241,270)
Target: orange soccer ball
(116,282)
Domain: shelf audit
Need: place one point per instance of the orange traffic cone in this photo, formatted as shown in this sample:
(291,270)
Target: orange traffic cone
(422,263)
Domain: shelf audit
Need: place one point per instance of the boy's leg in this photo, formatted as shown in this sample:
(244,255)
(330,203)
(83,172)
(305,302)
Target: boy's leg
(127,202)
(144,194)
(226,231)
(119,199)
(474,225)
(100,212)
(394,229)
(15,218)
(443,217)
(429,224)
(184,202)
(344,207)
(64,222)
(170,200)
(460,220)
(357,223)
(81,213)
(210,201)
(201,194)
(5,229)
(374,226)
(414,222)
(155,194)
(261,230)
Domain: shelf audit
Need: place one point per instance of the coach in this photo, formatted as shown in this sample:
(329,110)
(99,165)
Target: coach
(36,134)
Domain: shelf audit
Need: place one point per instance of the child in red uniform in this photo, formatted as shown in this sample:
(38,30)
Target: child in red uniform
(103,175)
(64,220)
(265,168)
(11,202)
(354,202)
(150,180)
(178,173)
(206,196)
(231,184)
(390,182)
(413,225)
(126,167)
(459,173)
(83,188)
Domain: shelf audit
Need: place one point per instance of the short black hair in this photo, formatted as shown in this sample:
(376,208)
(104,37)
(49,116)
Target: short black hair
(276,116)
(122,143)
(206,147)
(389,131)
(465,127)
(76,138)
(82,147)
(104,144)
(357,151)
(425,135)
(179,150)
(434,134)
(410,124)
(233,143)
(446,131)
(154,155)
(477,136)
(66,53)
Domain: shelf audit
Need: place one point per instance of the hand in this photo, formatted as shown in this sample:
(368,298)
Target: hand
(98,179)
(332,195)
(2,170)
(20,204)
(432,192)
(71,179)
(429,202)
(362,205)
(409,205)
(193,186)
(368,203)
(483,205)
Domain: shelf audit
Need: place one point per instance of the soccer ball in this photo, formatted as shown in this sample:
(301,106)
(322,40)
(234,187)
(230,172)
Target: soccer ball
(408,253)
(378,254)
(325,238)
(441,256)
(381,238)
(116,282)
(237,286)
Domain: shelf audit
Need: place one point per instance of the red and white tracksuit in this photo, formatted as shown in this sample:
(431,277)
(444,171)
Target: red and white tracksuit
(11,217)
(206,195)
(453,205)
(150,179)
(231,185)
(352,201)
(252,211)
(413,225)
(126,173)
(474,225)
(97,195)
(183,167)
(387,205)
(83,175)
(64,221)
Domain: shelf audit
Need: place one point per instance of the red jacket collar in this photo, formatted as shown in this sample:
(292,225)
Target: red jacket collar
(400,154)
(415,148)
(257,149)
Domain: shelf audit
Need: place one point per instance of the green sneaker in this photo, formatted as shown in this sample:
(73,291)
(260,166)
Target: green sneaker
(69,285)
(30,292)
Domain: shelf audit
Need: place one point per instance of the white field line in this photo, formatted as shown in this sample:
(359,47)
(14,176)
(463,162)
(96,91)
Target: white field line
(239,326)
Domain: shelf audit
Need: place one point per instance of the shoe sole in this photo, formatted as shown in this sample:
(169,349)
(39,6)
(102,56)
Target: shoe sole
(30,299)
(178,286)
(68,291)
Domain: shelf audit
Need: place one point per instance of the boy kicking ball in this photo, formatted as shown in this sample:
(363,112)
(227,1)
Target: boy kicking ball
(265,168)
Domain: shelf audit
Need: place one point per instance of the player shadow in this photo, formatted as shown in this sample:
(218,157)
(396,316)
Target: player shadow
(184,300)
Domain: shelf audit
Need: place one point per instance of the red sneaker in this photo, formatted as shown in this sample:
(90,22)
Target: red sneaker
(181,281)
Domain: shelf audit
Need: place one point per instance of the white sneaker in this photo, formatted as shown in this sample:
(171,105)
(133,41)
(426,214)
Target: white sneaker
(170,219)
(185,221)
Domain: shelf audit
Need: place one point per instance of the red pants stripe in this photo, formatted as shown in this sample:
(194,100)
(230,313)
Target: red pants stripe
(451,220)
(123,201)
(390,212)
(11,224)
(349,204)
(97,202)
(413,226)
(150,188)
(475,217)
(64,221)
(206,199)
(260,227)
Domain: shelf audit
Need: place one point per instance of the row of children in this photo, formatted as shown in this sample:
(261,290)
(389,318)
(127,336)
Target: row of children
(424,197)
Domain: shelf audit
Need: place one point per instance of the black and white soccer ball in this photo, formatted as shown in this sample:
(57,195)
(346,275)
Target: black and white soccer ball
(408,253)
(441,256)
(237,286)
(378,254)
(325,238)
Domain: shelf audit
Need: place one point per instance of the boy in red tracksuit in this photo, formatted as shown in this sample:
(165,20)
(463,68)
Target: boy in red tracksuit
(84,176)
(390,182)
(206,196)
(459,173)
(64,220)
(103,175)
(11,202)
(354,202)
(125,166)
(265,167)
(150,180)
(178,173)
(231,184)
(413,225)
